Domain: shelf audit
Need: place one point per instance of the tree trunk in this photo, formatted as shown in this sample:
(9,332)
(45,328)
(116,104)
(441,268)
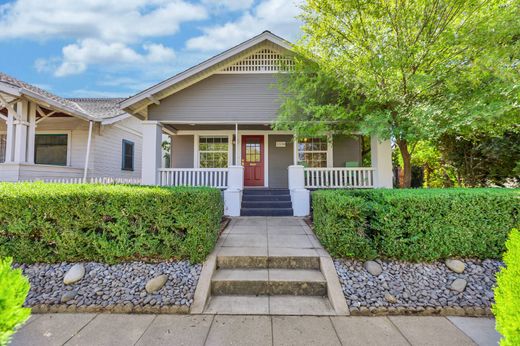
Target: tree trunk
(407,162)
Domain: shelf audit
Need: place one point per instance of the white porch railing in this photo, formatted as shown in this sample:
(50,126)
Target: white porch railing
(339,177)
(212,177)
(94,180)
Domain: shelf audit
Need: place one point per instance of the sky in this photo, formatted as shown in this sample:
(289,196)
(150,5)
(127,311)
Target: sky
(116,48)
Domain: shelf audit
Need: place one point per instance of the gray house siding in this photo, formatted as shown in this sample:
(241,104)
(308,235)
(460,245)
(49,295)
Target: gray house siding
(279,160)
(222,97)
(182,151)
(346,149)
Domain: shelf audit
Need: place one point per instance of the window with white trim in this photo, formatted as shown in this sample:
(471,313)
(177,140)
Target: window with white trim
(312,152)
(51,149)
(213,151)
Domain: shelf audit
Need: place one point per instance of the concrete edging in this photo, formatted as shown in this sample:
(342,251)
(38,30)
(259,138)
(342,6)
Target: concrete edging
(421,311)
(202,292)
(334,291)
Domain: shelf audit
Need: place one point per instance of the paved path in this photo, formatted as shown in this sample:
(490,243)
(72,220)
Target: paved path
(269,265)
(151,330)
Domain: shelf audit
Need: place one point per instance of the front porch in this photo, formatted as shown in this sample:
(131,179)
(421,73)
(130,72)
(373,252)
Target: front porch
(236,156)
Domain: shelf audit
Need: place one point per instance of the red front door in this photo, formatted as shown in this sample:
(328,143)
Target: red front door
(253,160)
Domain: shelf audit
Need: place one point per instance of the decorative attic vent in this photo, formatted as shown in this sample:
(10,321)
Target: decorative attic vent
(263,61)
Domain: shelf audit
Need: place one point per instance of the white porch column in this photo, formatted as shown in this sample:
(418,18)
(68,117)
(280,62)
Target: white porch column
(233,194)
(381,155)
(151,156)
(31,136)
(9,145)
(300,196)
(21,125)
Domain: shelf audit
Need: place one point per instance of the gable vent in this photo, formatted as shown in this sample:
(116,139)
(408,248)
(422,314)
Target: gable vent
(262,61)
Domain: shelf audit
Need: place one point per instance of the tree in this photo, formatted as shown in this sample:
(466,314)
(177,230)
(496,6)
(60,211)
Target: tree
(406,70)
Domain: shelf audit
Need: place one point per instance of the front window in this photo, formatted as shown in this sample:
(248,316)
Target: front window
(51,149)
(213,151)
(128,156)
(312,152)
(3,141)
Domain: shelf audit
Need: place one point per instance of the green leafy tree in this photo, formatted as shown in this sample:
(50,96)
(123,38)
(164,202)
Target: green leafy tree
(14,288)
(406,70)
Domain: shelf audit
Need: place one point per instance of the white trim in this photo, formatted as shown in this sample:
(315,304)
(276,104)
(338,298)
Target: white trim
(115,119)
(266,160)
(196,153)
(330,151)
(69,143)
(230,150)
(217,122)
(127,129)
(265,36)
(226,132)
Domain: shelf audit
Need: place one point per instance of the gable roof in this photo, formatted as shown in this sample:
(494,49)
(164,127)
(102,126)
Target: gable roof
(146,97)
(104,110)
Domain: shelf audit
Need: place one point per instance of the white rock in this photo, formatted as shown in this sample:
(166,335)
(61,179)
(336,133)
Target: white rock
(458,285)
(75,273)
(390,298)
(455,265)
(373,268)
(156,283)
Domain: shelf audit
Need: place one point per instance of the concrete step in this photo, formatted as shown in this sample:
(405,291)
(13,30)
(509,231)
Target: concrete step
(266,204)
(274,305)
(265,192)
(266,212)
(229,258)
(268,282)
(266,198)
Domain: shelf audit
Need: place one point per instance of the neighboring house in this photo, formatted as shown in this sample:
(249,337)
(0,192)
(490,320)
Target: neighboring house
(219,115)
(46,137)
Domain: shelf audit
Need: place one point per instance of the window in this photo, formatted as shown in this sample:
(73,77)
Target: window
(128,156)
(213,152)
(51,149)
(312,152)
(3,142)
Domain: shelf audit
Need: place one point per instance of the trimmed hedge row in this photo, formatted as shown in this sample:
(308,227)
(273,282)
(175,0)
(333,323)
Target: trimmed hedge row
(109,223)
(507,293)
(415,225)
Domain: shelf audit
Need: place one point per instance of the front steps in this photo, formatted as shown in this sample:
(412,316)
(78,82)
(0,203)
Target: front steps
(286,285)
(266,202)
(269,266)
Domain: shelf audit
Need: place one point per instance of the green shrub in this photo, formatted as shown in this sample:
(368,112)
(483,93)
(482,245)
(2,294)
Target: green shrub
(507,293)
(14,288)
(425,224)
(340,224)
(109,223)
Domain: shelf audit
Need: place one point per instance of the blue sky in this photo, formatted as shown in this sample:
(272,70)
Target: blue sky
(113,48)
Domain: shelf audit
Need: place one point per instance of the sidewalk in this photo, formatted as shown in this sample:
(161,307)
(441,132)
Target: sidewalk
(152,330)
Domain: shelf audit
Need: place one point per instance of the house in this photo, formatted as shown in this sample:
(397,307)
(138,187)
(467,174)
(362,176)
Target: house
(220,114)
(47,137)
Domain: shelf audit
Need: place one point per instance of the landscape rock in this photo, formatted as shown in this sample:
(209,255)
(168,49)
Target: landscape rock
(74,274)
(67,296)
(390,298)
(373,268)
(417,286)
(156,283)
(455,265)
(458,285)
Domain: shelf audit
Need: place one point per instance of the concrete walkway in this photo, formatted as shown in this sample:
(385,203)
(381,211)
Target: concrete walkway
(151,330)
(269,266)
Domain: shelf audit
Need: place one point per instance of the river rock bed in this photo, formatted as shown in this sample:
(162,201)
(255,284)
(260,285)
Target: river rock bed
(118,288)
(404,287)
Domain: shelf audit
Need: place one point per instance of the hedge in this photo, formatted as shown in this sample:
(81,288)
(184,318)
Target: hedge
(416,224)
(108,223)
(507,293)
(14,288)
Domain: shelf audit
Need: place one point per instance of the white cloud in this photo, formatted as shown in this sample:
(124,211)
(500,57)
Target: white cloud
(109,20)
(278,16)
(77,56)
(232,5)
